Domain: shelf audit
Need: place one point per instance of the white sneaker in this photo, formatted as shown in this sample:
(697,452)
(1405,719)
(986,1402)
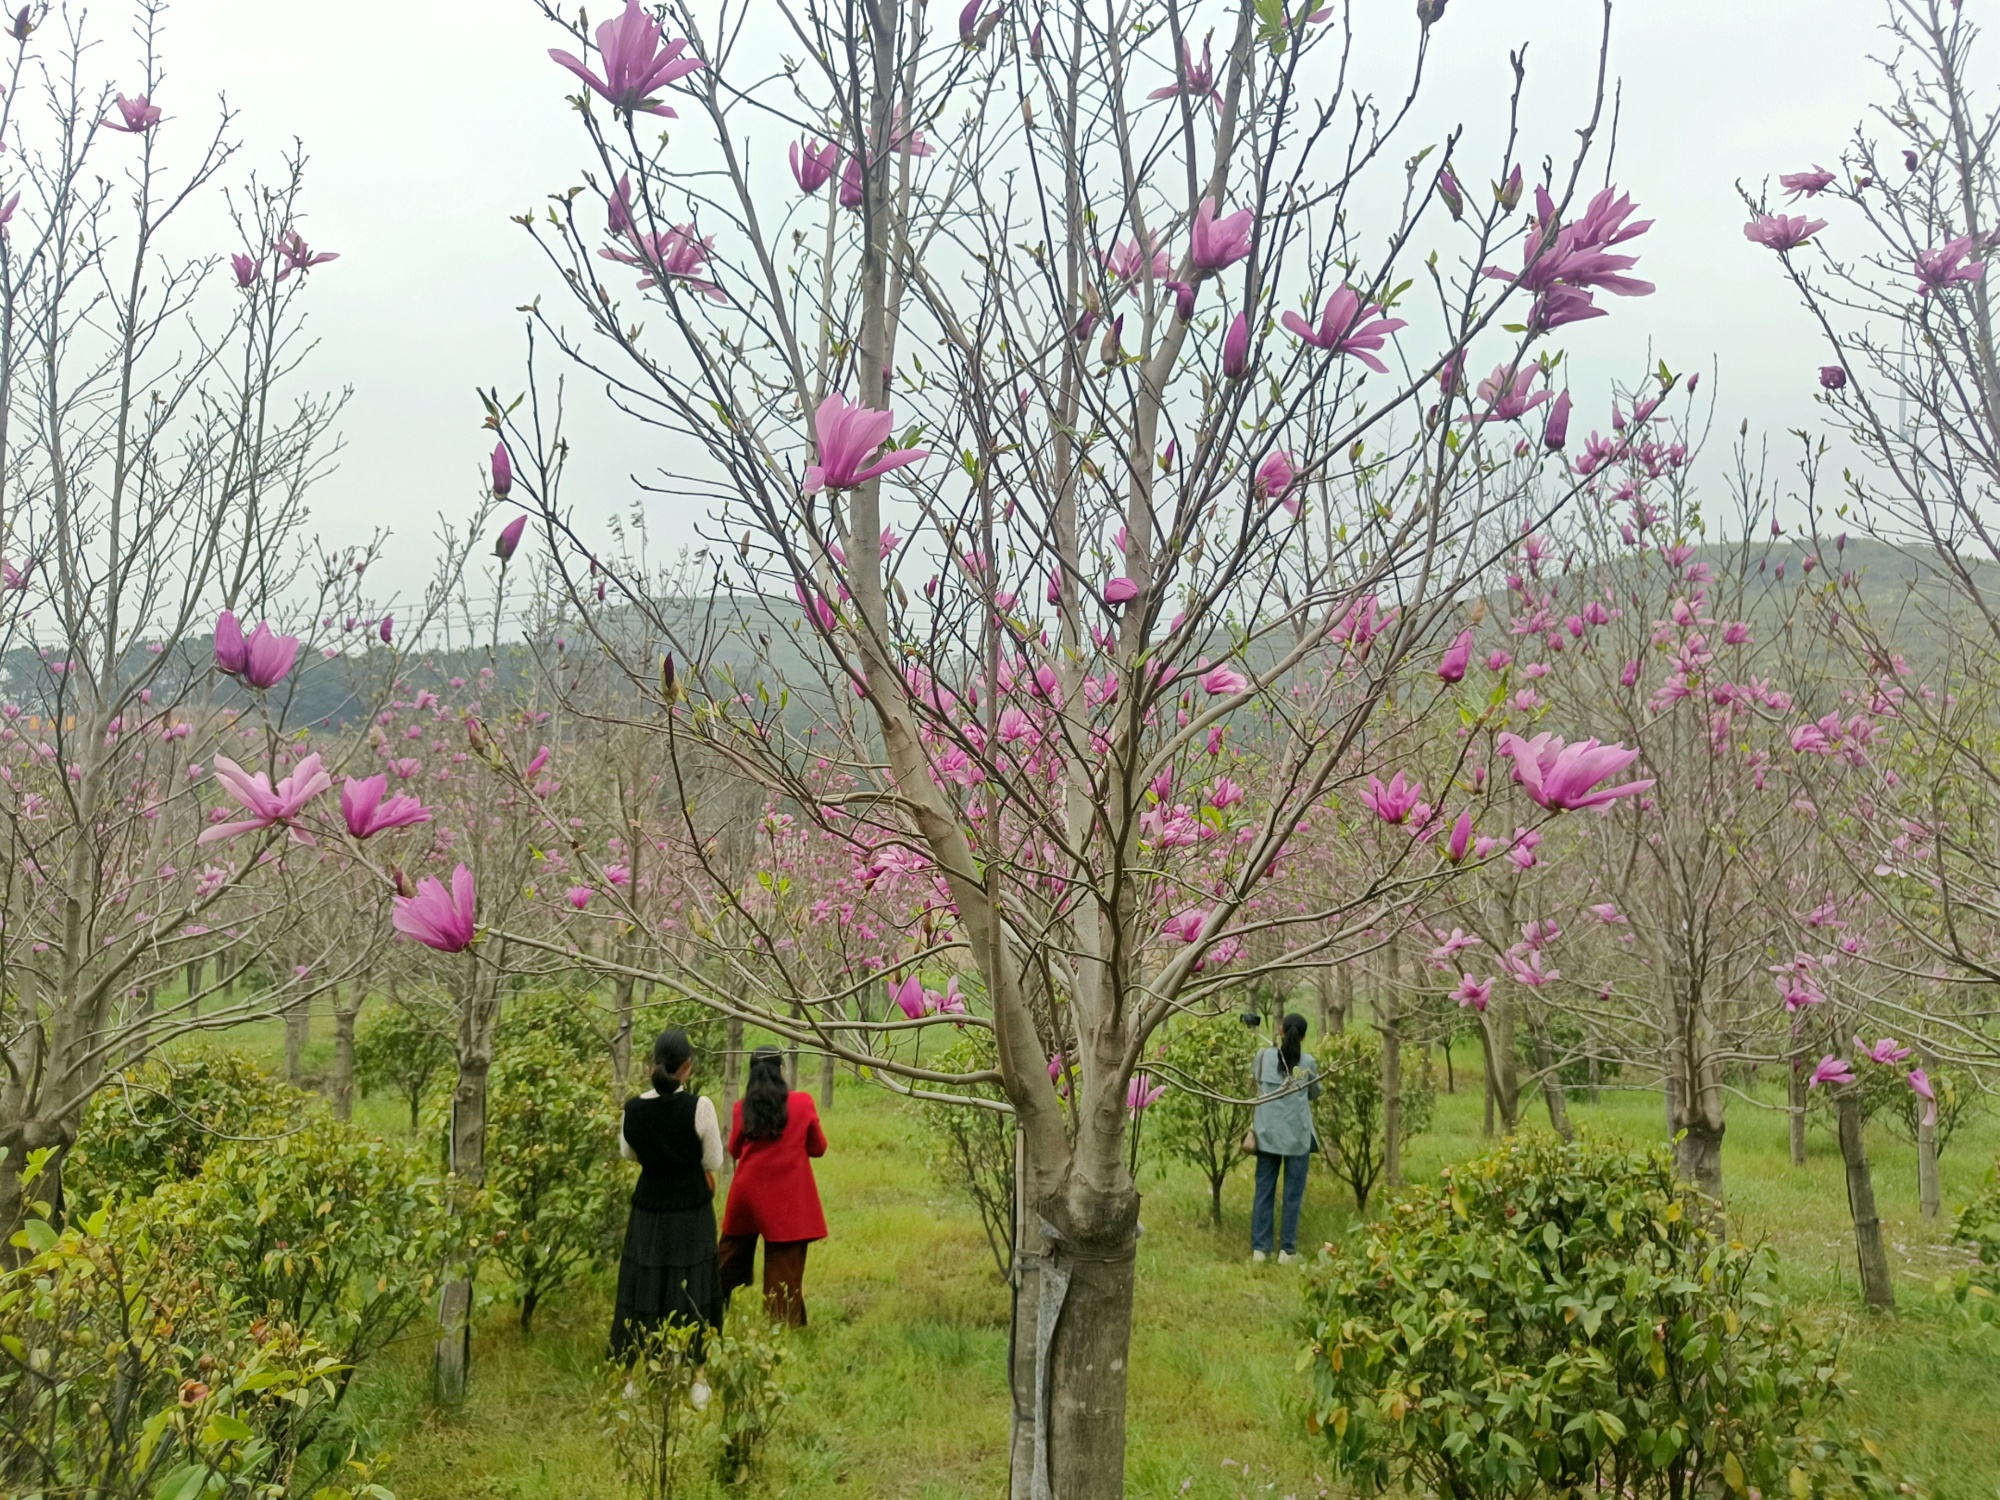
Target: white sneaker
(1258,1257)
(698,1395)
(1289,1257)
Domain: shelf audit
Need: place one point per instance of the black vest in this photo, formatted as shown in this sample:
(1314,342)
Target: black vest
(661,1133)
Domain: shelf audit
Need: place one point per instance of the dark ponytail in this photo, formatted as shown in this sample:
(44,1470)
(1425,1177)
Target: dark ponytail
(671,1050)
(767,1097)
(1293,1032)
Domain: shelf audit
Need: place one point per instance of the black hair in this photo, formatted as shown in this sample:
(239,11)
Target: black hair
(1293,1031)
(671,1050)
(766,1097)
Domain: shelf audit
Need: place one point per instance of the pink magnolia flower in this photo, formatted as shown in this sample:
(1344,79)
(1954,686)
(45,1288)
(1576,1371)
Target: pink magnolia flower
(1275,477)
(266,804)
(1142,1092)
(437,918)
(1524,967)
(1461,838)
(1608,913)
(1215,244)
(1473,992)
(1505,393)
(618,874)
(1220,682)
(1808,184)
(1196,79)
(135,116)
(676,254)
(1225,793)
(950,1003)
(813,164)
(367,814)
(1947,266)
(503,472)
(1920,1085)
(387,628)
(579,896)
(294,254)
(1556,433)
(246,268)
(909,996)
(638,62)
(1120,591)
(509,538)
(1831,1069)
(1563,264)
(850,440)
(1563,777)
(1457,659)
(1392,803)
(1128,262)
(1447,951)
(263,661)
(1781,232)
(1348,326)
(1236,348)
(1885,1051)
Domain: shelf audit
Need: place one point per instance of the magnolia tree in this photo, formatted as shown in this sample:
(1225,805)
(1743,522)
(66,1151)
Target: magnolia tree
(1054,414)
(157,455)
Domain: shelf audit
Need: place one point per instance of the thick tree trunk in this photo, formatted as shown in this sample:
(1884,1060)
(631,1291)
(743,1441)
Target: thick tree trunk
(621,1039)
(1695,1100)
(1698,1157)
(478,1014)
(298,1031)
(827,1066)
(1392,1068)
(1596,1076)
(1025,1281)
(1503,1080)
(1876,1288)
(1086,1310)
(342,1084)
(1552,1084)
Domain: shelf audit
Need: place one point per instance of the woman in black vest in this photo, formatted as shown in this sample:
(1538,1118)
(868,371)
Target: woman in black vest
(668,1270)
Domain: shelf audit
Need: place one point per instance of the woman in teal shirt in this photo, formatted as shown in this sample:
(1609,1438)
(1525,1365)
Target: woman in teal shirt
(1287,1083)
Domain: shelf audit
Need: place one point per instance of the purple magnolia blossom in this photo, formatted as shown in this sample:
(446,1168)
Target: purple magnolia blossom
(1120,591)
(909,997)
(1781,232)
(1831,1069)
(1394,802)
(1457,659)
(503,472)
(1832,378)
(294,254)
(1452,194)
(1947,266)
(1563,777)
(1215,244)
(1886,1051)
(1473,992)
(1348,326)
(1506,394)
(1563,264)
(618,207)
(1220,682)
(1196,79)
(1236,348)
(813,165)
(1142,1092)
(1127,262)
(1460,842)
(850,440)
(509,538)
(247,269)
(1806,184)
(267,805)
(638,62)
(368,810)
(1920,1085)
(437,918)
(676,254)
(263,660)
(1557,432)
(135,116)
(388,628)
(1275,477)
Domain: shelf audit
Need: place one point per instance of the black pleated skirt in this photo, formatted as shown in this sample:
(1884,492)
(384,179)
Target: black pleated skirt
(666,1273)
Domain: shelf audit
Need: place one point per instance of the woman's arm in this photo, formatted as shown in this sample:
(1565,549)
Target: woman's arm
(815,1133)
(711,1138)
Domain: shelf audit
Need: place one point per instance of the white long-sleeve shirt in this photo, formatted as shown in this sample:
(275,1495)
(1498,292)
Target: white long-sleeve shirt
(705,1126)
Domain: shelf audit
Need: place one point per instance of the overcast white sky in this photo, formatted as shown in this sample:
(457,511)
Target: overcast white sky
(430,122)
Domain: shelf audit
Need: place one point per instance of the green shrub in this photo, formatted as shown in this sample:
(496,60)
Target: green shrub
(125,1376)
(558,1189)
(1978,1286)
(744,1367)
(158,1122)
(1886,1095)
(1348,1112)
(971,1150)
(1557,1319)
(330,1230)
(403,1049)
(1206,1065)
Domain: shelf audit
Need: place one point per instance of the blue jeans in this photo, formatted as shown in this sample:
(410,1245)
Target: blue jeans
(1267,1192)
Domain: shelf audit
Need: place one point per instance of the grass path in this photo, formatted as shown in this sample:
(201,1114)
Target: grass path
(899,1379)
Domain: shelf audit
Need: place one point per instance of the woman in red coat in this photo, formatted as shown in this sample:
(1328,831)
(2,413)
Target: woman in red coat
(773,1135)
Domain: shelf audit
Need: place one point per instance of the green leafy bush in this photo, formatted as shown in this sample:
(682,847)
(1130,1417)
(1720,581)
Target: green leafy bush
(1206,1065)
(745,1367)
(1886,1095)
(971,1150)
(558,1189)
(124,1376)
(159,1122)
(1557,1319)
(329,1230)
(1348,1113)
(1978,1286)
(403,1049)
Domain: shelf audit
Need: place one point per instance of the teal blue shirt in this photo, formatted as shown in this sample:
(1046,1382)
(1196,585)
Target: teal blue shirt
(1284,1117)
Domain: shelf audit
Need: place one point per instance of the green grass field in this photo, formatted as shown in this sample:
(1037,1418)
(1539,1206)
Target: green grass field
(898,1379)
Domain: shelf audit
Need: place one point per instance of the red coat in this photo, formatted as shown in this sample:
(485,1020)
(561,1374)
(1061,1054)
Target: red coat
(773,1192)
